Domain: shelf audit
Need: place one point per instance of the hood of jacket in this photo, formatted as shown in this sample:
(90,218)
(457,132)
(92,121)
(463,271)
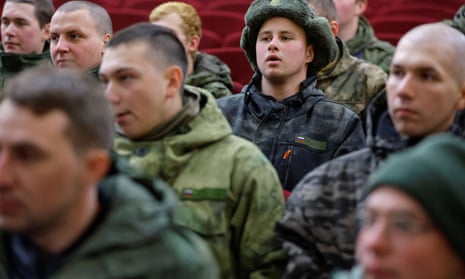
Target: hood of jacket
(174,151)
(382,137)
(208,69)
(364,37)
(335,68)
(133,218)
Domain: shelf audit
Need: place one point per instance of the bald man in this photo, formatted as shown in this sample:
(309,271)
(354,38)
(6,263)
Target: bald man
(424,91)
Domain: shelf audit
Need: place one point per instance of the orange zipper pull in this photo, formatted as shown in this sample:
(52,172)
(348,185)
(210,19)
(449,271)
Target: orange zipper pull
(286,154)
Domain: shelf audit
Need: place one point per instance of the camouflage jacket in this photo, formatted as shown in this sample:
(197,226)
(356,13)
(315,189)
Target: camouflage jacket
(135,239)
(366,46)
(296,134)
(319,226)
(12,63)
(230,194)
(212,74)
(351,81)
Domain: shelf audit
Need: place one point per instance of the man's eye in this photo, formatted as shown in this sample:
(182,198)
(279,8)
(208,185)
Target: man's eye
(75,36)
(397,73)
(27,156)
(428,76)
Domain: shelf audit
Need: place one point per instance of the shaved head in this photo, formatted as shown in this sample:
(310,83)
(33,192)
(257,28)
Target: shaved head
(445,39)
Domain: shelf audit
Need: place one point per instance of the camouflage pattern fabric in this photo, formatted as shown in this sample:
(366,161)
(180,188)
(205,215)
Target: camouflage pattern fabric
(351,81)
(320,225)
(296,134)
(366,46)
(230,194)
(12,63)
(458,21)
(136,239)
(212,74)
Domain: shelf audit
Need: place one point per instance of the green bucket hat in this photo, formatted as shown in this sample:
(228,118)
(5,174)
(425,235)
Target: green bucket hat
(432,174)
(316,28)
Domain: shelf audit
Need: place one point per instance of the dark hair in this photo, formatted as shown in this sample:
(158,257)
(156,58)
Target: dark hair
(324,8)
(163,45)
(43,10)
(80,96)
(99,15)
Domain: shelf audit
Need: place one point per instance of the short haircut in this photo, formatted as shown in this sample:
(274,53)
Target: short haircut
(100,16)
(43,10)
(163,46)
(192,25)
(43,89)
(324,8)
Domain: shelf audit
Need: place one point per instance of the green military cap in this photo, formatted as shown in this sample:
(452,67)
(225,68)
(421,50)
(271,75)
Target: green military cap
(432,174)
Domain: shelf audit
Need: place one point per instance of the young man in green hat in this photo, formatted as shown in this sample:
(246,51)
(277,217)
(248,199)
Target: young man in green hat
(295,125)
(412,221)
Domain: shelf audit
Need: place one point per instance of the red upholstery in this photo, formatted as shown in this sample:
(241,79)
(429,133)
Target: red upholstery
(209,39)
(436,12)
(222,23)
(397,24)
(122,18)
(232,40)
(236,6)
(148,5)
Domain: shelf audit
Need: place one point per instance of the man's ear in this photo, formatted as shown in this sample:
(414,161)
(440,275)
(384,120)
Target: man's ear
(46,32)
(97,164)
(309,54)
(360,7)
(193,44)
(106,39)
(334,25)
(174,77)
(461,101)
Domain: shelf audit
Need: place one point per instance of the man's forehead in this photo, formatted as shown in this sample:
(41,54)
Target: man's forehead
(72,19)
(18,10)
(21,122)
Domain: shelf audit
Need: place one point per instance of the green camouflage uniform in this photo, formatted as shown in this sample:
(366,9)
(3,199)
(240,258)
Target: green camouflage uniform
(212,74)
(230,194)
(351,81)
(136,239)
(319,226)
(458,21)
(366,46)
(12,63)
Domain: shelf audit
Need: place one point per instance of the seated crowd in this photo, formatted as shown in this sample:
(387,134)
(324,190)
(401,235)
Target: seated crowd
(341,158)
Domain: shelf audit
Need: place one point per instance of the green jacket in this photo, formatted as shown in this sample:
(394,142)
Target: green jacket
(212,74)
(12,63)
(366,46)
(136,239)
(350,81)
(230,193)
